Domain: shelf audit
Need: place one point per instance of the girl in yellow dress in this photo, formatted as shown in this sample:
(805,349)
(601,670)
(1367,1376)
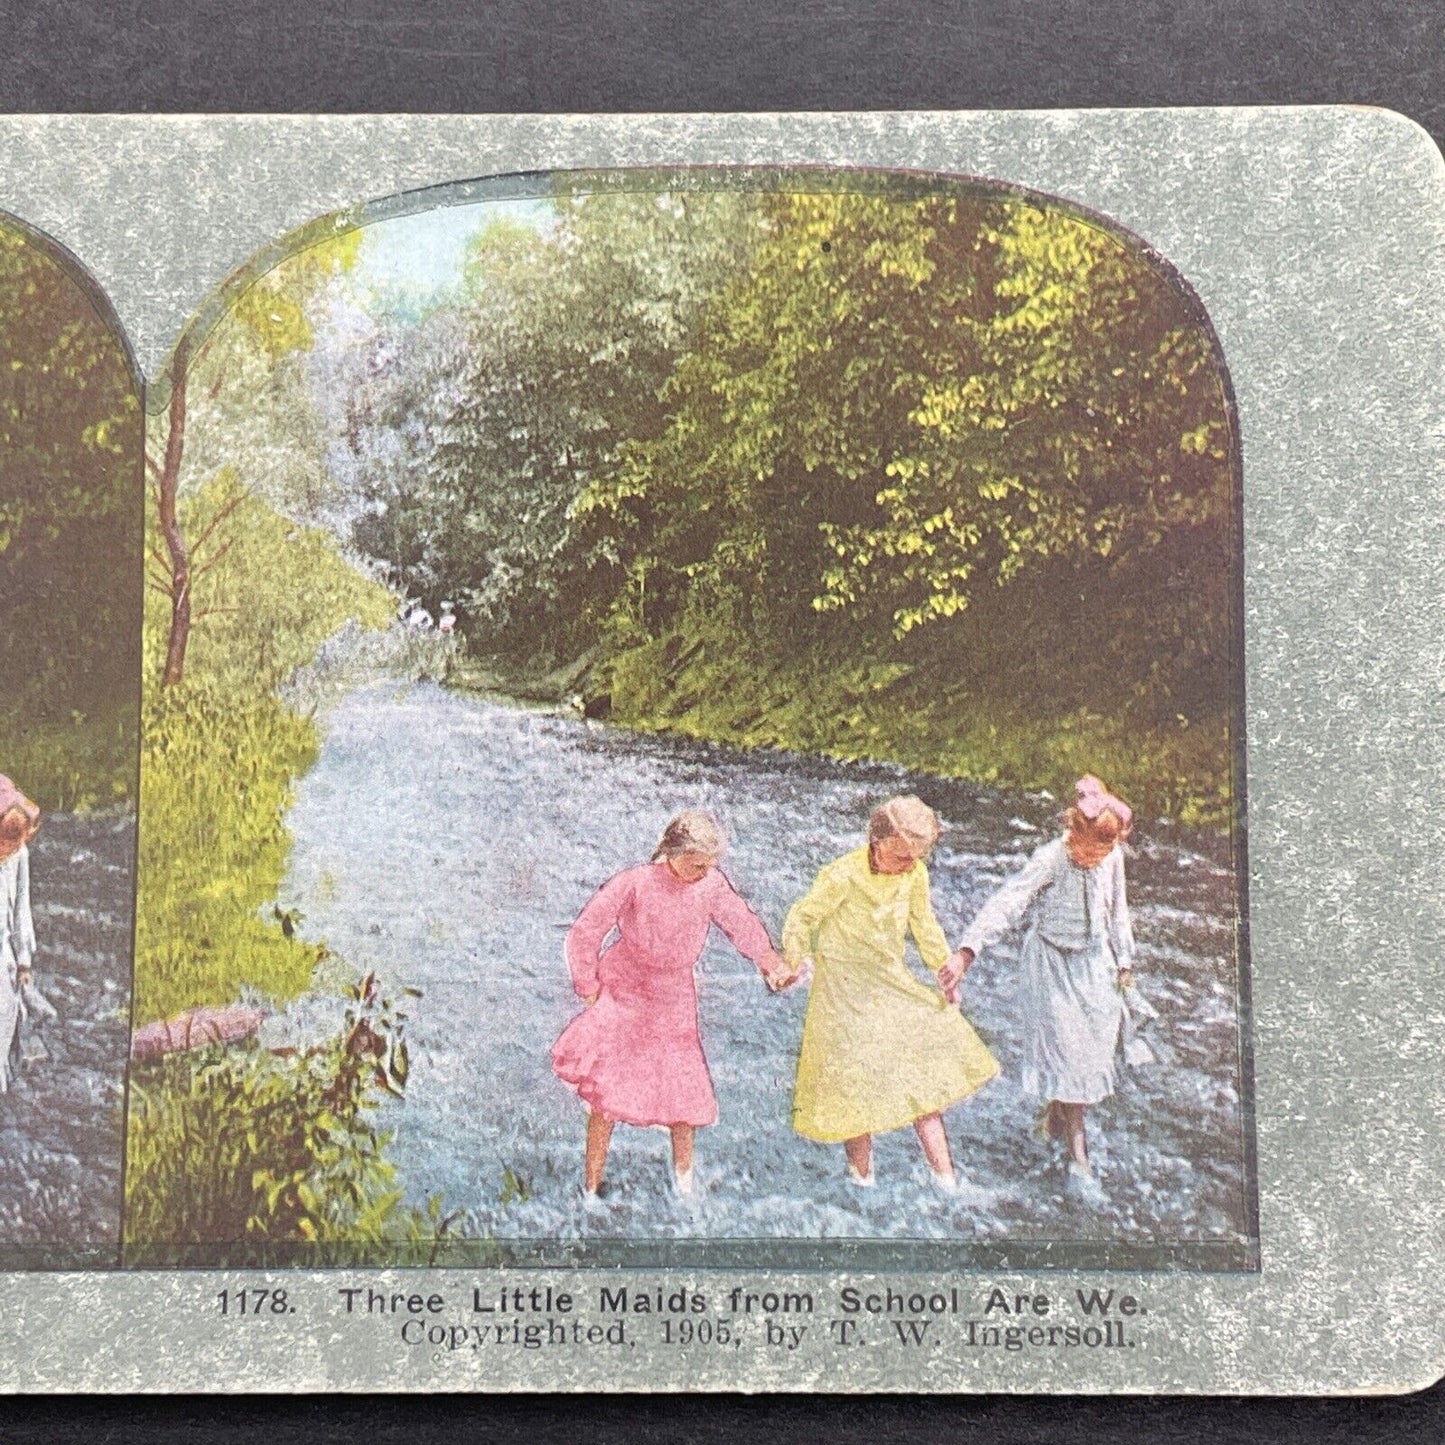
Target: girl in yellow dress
(880,1049)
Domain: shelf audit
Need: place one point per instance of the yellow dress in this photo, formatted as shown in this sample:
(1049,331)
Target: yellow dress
(880,1049)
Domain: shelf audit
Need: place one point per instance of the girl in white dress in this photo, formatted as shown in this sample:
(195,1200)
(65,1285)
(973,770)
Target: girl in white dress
(19,822)
(1076,963)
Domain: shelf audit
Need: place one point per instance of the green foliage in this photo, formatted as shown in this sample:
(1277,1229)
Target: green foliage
(70,534)
(907,403)
(516,1188)
(277,590)
(241,1148)
(216,780)
(240,1151)
(966,439)
(699,683)
(74,764)
(273,315)
(220,754)
(472,436)
(250,409)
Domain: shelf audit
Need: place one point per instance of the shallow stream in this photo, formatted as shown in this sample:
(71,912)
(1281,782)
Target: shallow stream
(448,841)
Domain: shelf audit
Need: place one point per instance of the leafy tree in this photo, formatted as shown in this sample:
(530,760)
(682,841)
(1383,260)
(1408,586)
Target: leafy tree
(783,416)
(221,749)
(255,418)
(70,446)
(910,441)
(481,428)
(907,402)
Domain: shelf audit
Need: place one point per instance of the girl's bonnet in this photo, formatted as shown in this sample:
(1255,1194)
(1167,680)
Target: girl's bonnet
(1091,798)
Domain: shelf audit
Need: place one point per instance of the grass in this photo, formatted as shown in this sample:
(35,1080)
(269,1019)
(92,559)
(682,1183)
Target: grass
(239,1151)
(216,780)
(73,765)
(709,688)
(221,752)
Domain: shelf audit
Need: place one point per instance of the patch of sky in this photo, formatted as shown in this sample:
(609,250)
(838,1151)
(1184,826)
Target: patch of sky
(409,264)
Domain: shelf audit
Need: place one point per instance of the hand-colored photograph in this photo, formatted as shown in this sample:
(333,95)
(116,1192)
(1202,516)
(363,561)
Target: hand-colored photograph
(70,558)
(690,718)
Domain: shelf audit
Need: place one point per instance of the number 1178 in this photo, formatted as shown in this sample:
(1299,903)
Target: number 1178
(254,1302)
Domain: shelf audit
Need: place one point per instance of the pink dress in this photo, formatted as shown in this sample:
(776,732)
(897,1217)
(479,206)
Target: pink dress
(635,1055)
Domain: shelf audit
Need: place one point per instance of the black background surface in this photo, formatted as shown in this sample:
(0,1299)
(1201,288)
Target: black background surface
(624,55)
(619,55)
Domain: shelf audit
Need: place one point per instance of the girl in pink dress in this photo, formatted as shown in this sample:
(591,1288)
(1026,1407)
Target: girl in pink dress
(635,1054)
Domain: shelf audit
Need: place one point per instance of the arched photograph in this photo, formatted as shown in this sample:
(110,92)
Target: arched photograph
(70,578)
(694,717)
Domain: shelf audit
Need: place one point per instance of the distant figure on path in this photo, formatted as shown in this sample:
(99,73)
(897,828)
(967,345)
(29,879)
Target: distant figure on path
(635,1054)
(880,1050)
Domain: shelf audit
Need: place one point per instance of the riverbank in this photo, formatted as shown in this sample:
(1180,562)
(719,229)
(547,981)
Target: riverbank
(74,764)
(883,713)
(220,754)
(237,1150)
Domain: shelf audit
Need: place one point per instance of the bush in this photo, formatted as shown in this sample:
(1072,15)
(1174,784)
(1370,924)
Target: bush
(706,682)
(236,1150)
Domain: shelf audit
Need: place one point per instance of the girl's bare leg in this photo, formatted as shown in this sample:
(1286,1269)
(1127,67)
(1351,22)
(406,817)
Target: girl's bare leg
(934,1138)
(1074,1132)
(860,1154)
(683,1136)
(599,1136)
(1056,1120)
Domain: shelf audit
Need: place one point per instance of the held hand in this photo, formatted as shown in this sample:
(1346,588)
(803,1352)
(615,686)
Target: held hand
(1126,979)
(592,998)
(777,973)
(952,972)
(799,972)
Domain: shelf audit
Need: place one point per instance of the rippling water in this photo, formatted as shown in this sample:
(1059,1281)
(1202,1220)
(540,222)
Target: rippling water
(60,1124)
(448,841)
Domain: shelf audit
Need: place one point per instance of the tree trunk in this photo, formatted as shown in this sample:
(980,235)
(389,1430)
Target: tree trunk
(170,525)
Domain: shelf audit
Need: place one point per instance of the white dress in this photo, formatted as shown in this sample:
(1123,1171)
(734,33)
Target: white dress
(1078,941)
(17,946)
